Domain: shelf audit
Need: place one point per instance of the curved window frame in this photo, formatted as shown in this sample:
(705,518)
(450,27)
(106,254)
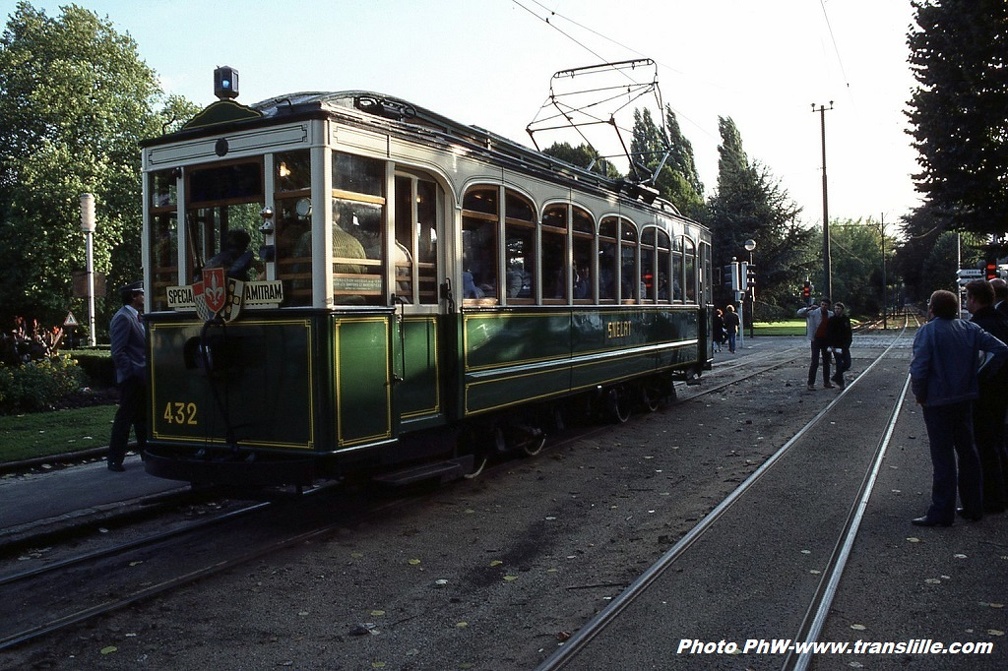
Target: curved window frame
(480,224)
(521,249)
(656,264)
(554,233)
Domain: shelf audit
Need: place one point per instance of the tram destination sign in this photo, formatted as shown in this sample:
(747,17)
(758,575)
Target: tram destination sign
(255,295)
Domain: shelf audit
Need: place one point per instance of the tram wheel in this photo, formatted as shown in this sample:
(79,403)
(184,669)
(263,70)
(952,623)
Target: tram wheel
(617,404)
(651,395)
(479,463)
(534,444)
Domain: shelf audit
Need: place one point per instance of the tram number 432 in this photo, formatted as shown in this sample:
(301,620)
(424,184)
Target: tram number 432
(180,413)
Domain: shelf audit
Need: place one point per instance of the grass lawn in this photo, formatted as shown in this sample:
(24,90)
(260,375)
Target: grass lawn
(793,327)
(38,434)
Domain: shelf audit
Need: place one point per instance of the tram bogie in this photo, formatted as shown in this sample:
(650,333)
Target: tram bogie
(425,294)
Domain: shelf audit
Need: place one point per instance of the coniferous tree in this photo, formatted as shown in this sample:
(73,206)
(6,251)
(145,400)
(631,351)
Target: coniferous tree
(751,204)
(959,57)
(677,180)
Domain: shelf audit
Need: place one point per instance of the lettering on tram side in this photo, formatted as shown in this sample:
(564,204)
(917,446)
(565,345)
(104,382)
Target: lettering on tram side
(620,329)
(181,297)
(176,412)
(261,294)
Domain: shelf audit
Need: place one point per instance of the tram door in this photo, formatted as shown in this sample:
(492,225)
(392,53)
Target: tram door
(419,217)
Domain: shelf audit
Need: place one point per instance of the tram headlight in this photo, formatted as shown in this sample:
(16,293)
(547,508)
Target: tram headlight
(226,83)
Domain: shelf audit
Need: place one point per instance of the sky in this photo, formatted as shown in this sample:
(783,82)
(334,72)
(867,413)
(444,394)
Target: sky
(769,65)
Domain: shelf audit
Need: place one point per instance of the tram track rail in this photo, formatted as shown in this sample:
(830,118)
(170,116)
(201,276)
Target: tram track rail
(95,562)
(34,580)
(751,365)
(818,607)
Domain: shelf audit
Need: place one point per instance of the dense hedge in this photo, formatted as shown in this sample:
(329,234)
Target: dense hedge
(97,365)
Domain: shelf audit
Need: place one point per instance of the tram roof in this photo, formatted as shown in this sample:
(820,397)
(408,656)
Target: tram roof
(371,108)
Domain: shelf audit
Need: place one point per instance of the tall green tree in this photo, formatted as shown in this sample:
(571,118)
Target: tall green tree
(861,260)
(750,203)
(583,156)
(959,57)
(75,99)
(652,147)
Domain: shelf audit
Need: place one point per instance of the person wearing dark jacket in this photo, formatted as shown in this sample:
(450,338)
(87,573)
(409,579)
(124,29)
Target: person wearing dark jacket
(990,407)
(944,380)
(129,357)
(839,335)
(816,323)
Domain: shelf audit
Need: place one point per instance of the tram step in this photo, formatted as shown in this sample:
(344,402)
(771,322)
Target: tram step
(444,471)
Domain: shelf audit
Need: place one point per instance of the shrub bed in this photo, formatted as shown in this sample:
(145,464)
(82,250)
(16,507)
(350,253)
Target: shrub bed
(38,385)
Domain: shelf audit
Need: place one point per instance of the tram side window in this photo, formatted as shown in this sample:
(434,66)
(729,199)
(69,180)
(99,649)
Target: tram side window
(519,248)
(690,269)
(607,259)
(677,269)
(649,269)
(358,224)
(663,264)
(554,253)
(415,239)
(705,273)
(163,237)
(425,234)
(583,245)
(293,219)
(655,265)
(630,277)
(480,218)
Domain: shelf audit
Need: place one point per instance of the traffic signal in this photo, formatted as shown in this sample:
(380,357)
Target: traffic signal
(730,277)
(750,276)
(991,270)
(807,290)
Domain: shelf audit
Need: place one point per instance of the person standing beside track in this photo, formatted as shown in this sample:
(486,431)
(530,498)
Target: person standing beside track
(944,380)
(992,404)
(840,335)
(816,324)
(129,356)
(731,326)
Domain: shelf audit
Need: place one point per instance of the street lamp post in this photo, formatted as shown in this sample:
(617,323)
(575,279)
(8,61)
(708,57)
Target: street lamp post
(88,226)
(750,245)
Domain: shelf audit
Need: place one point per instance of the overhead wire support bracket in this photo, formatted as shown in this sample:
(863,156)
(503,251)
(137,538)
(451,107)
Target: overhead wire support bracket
(609,90)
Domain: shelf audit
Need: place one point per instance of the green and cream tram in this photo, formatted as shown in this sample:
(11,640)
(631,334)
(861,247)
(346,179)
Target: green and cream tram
(418,291)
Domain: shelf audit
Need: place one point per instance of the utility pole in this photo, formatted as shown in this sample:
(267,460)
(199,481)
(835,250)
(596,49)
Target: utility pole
(827,269)
(885,289)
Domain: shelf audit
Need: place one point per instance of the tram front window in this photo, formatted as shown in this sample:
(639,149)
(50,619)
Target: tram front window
(294,250)
(357,252)
(223,198)
(207,234)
